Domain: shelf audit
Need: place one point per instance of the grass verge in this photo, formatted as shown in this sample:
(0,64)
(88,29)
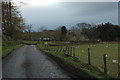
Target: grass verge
(6,50)
(29,42)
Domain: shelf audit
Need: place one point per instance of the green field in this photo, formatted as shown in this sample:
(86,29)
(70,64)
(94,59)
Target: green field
(97,50)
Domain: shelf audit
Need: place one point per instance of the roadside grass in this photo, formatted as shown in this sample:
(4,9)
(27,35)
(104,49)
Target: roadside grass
(8,49)
(29,42)
(8,45)
(92,71)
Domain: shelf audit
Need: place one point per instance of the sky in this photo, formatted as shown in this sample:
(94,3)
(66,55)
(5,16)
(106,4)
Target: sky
(68,13)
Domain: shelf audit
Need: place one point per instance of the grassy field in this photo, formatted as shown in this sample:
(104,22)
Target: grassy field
(97,50)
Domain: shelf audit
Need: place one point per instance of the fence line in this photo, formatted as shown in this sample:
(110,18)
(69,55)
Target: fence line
(70,52)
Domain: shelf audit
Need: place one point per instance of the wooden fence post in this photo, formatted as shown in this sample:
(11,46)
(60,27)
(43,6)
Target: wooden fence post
(105,63)
(63,51)
(73,51)
(60,50)
(89,56)
(68,50)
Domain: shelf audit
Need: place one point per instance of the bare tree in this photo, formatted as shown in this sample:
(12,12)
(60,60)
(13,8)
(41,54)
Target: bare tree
(41,28)
(29,30)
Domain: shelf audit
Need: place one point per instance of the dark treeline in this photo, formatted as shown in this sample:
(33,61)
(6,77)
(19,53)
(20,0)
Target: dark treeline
(105,32)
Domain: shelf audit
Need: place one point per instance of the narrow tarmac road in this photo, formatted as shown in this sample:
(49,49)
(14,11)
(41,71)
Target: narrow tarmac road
(29,62)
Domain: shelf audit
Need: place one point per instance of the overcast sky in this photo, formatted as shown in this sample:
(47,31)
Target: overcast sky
(70,13)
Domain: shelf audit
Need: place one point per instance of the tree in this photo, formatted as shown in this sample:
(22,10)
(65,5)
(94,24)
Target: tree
(29,30)
(105,32)
(91,33)
(41,28)
(78,30)
(108,32)
(81,26)
(63,33)
(75,34)
(11,19)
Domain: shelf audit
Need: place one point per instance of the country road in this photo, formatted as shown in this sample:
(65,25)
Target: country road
(29,62)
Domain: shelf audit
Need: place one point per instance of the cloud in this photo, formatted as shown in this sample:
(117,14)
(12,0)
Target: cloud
(70,13)
(89,8)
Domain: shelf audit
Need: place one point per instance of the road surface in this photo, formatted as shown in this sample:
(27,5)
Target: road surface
(29,62)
